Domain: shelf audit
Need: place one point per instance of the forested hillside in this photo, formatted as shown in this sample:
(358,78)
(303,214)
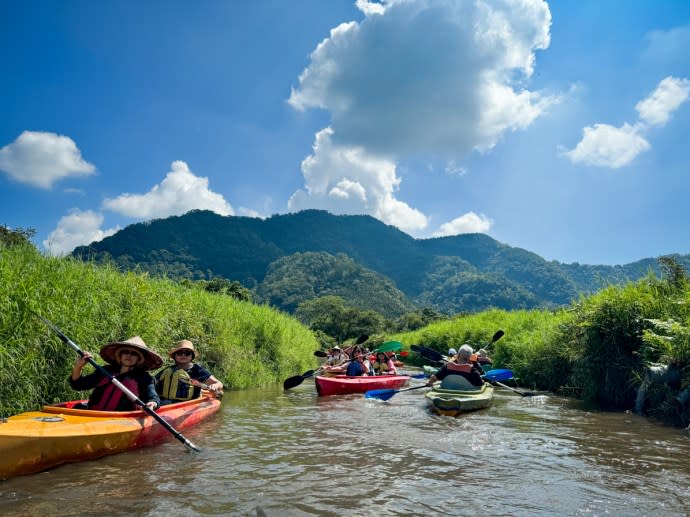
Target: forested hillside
(357,256)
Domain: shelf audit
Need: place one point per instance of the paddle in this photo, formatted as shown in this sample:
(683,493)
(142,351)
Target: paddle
(216,393)
(428,353)
(389,346)
(491,376)
(131,396)
(320,353)
(385,394)
(292,382)
(519,392)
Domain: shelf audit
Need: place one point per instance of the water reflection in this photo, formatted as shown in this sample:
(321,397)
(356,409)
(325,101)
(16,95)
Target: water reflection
(293,453)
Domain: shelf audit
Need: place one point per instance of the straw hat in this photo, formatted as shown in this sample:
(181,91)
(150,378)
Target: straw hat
(185,344)
(152,360)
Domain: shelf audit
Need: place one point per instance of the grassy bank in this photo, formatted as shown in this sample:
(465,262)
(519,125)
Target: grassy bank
(599,349)
(241,343)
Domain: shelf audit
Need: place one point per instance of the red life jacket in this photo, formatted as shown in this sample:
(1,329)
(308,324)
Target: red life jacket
(110,399)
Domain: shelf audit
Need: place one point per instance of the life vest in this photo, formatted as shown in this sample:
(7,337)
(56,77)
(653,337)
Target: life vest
(454,367)
(381,368)
(110,399)
(172,385)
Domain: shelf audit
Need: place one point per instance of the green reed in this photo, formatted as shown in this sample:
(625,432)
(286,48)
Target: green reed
(242,344)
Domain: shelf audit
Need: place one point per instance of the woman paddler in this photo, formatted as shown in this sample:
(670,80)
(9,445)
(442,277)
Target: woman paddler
(129,362)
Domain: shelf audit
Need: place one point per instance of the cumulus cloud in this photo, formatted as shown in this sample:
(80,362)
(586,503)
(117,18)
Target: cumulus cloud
(429,75)
(76,229)
(349,180)
(40,159)
(415,76)
(180,192)
(656,109)
(607,146)
(603,145)
(468,223)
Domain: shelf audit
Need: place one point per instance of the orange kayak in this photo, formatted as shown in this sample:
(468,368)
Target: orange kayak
(37,440)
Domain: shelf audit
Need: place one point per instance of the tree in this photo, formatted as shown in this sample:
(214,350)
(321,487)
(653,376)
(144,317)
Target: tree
(17,236)
(330,315)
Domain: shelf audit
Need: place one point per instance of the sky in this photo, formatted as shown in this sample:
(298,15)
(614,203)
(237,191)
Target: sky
(558,127)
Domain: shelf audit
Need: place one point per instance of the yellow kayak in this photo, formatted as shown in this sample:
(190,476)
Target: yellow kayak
(37,440)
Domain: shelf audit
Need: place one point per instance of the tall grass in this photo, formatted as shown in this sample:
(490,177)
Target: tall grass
(241,343)
(598,349)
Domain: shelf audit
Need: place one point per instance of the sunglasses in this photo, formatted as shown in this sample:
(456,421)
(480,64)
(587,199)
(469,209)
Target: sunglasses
(129,352)
(183,352)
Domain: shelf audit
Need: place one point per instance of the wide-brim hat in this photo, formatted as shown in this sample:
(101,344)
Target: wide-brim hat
(185,344)
(151,359)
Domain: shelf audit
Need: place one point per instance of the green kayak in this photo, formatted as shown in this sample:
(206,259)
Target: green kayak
(452,402)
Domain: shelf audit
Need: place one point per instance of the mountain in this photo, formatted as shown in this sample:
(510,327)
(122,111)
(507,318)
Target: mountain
(288,258)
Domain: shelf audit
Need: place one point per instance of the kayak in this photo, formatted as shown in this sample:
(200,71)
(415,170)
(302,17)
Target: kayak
(453,402)
(37,440)
(343,385)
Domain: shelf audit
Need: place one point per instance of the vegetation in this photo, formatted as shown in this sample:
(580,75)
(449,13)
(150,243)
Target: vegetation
(241,343)
(599,349)
(300,277)
(283,260)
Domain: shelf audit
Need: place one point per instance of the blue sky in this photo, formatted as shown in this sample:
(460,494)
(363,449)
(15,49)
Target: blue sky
(558,127)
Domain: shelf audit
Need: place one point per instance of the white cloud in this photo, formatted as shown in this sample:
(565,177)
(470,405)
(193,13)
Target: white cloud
(415,77)
(180,192)
(656,109)
(349,180)
(429,75)
(603,145)
(76,229)
(607,146)
(468,223)
(40,159)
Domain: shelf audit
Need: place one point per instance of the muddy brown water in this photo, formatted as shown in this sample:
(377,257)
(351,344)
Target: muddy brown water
(296,454)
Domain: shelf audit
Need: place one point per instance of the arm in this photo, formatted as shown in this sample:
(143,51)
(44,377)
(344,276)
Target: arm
(391,368)
(149,395)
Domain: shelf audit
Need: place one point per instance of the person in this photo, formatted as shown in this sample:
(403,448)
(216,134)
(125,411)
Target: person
(451,353)
(129,362)
(483,359)
(173,382)
(337,357)
(358,365)
(461,373)
(383,365)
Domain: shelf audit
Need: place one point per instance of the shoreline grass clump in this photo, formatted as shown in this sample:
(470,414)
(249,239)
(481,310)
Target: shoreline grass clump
(243,344)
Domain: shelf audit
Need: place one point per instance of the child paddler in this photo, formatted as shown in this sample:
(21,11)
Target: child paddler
(174,383)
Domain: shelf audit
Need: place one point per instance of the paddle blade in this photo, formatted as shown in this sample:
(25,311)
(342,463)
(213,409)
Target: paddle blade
(431,354)
(361,339)
(292,382)
(500,374)
(383,394)
(390,346)
(320,353)
(498,335)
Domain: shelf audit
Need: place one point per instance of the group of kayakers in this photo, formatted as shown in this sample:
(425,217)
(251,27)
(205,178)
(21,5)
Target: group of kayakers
(130,362)
(359,362)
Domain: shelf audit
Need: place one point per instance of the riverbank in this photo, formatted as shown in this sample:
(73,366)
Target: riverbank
(244,344)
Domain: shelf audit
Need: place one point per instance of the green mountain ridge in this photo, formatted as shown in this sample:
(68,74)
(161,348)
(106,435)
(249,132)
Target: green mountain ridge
(467,272)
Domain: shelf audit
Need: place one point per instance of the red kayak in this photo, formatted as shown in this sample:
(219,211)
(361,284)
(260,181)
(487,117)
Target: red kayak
(343,385)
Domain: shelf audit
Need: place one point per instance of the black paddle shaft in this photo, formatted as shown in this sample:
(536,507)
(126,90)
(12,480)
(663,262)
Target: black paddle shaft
(131,396)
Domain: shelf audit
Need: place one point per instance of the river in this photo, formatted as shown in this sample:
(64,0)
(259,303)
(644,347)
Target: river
(295,454)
